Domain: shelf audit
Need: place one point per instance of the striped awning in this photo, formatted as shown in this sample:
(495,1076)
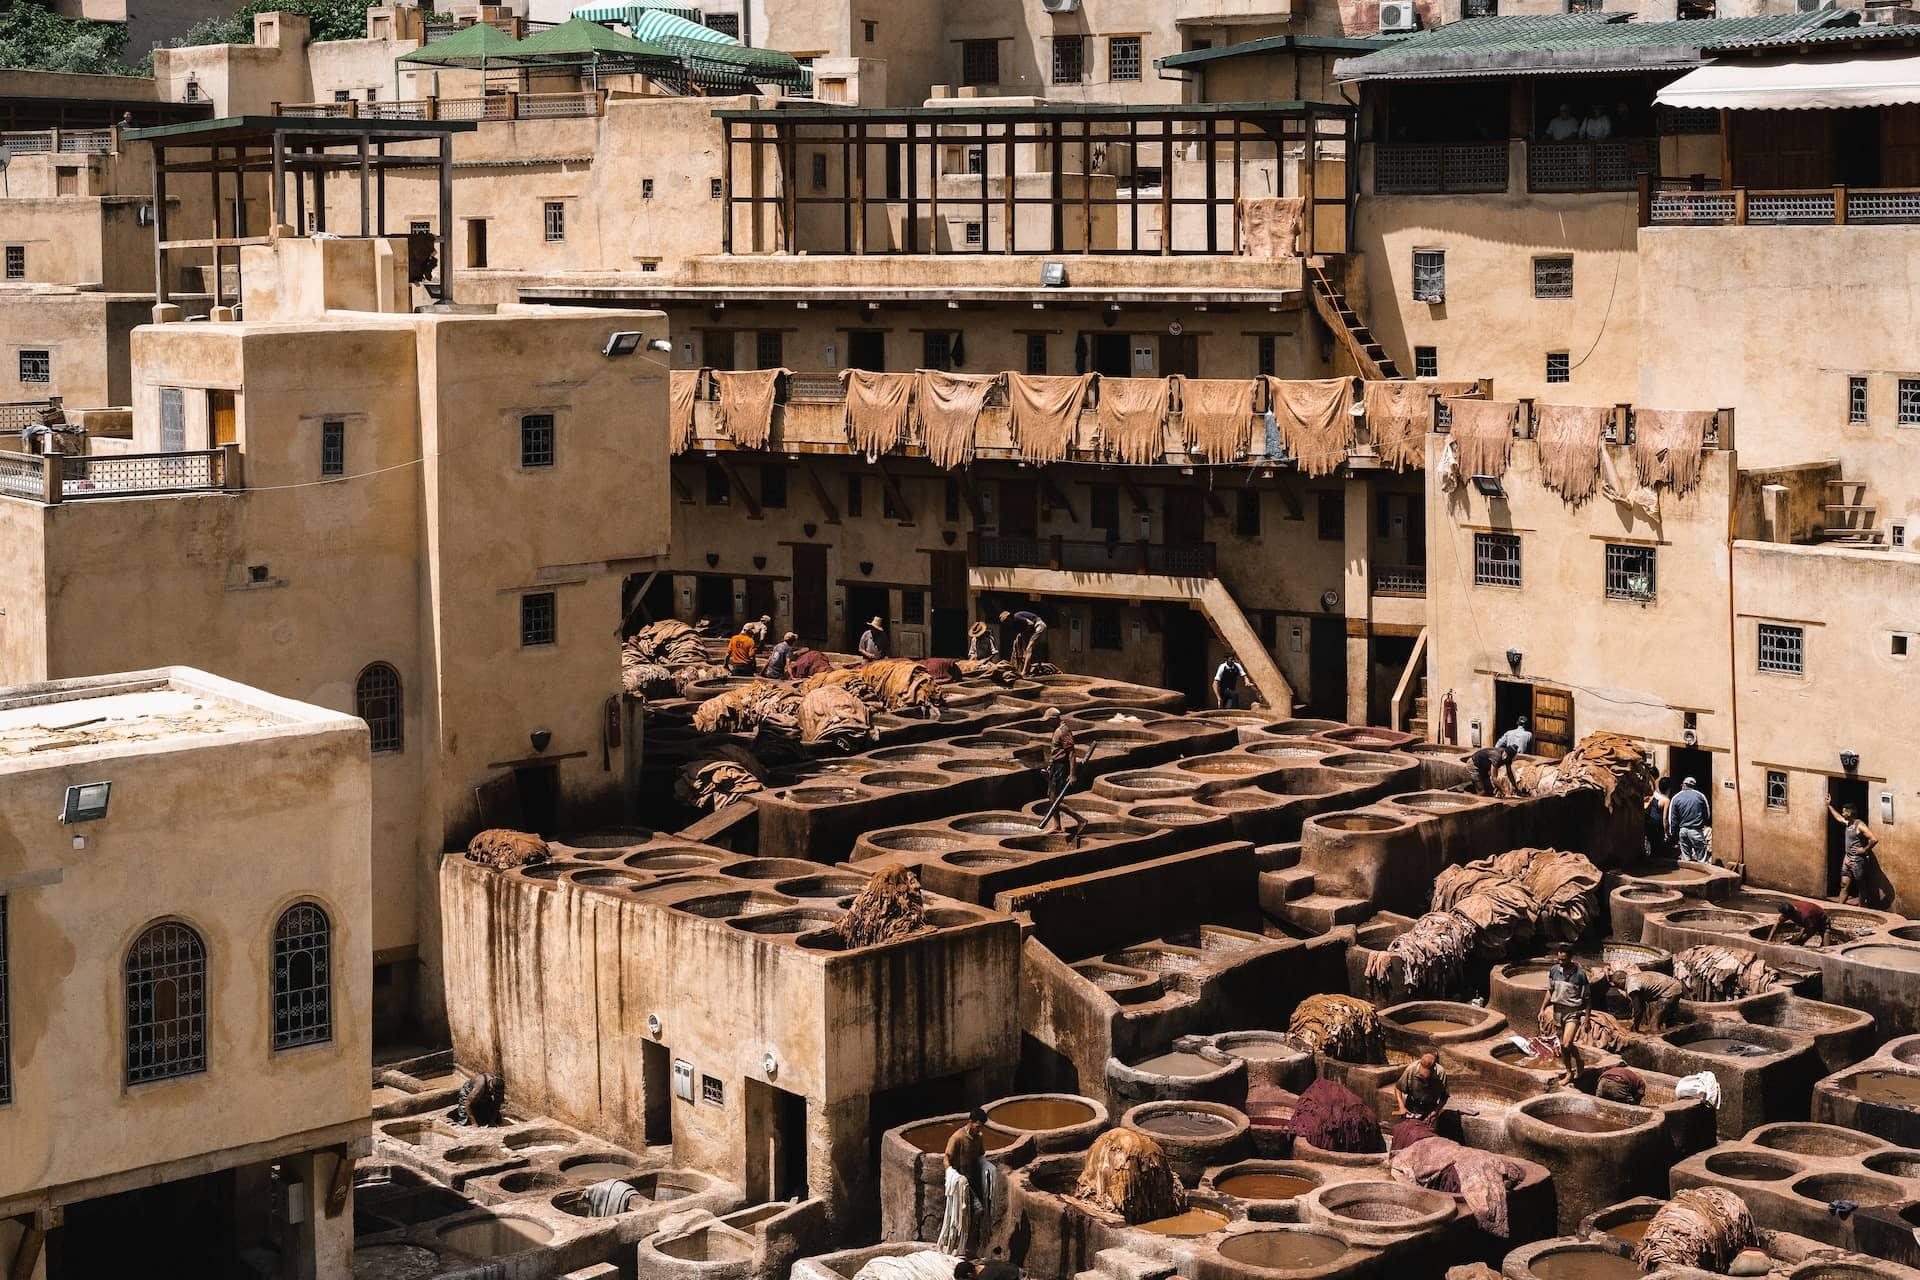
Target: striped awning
(713,59)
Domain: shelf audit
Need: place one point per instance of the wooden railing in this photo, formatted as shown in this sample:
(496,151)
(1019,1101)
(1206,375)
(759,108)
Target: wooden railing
(66,142)
(1176,560)
(1805,207)
(493,106)
(1439,168)
(1612,165)
(54,478)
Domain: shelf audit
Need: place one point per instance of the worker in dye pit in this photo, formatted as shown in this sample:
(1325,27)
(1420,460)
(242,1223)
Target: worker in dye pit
(1690,823)
(1651,994)
(1621,1084)
(1857,861)
(479,1101)
(1520,737)
(1567,998)
(758,628)
(874,644)
(740,651)
(1227,679)
(981,646)
(1654,825)
(1485,761)
(1423,1088)
(780,657)
(1062,764)
(1807,924)
(1028,627)
(969,1188)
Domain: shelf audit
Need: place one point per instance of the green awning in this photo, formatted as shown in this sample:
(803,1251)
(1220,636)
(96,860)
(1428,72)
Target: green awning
(579,40)
(475,46)
(712,58)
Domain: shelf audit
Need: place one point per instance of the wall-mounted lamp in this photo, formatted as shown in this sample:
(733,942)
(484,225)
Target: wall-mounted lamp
(759,562)
(947,536)
(653,1025)
(623,342)
(769,1065)
(1329,599)
(1513,660)
(866,568)
(809,528)
(713,559)
(540,738)
(1489,487)
(86,802)
(1849,760)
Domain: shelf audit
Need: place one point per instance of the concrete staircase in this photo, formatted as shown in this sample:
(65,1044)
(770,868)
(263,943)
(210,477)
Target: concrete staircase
(1124,1264)
(1850,520)
(1209,595)
(1287,892)
(1417,722)
(1367,354)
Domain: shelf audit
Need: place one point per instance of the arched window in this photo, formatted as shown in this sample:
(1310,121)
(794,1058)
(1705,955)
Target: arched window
(166,1003)
(302,977)
(376,699)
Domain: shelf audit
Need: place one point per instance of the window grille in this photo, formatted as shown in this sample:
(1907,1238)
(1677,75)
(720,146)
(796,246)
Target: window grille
(712,1092)
(538,625)
(166,978)
(1479,9)
(555,215)
(419,227)
(870,31)
(1123,58)
(1429,275)
(36,365)
(1496,559)
(1630,572)
(1559,367)
(1103,630)
(1856,400)
(173,420)
(536,440)
(376,699)
(980,62)
(1776,789)
(1909,404)
(727,24)
(913,607)
(769,349)
(1036,353)
(1553,277)
(6,1016)
(16,262)
(976,161)
(1069,59)
(973,233)
(1426,362)
(714,188)
(937,352)
(1782,649)
(333,447)
(302,977)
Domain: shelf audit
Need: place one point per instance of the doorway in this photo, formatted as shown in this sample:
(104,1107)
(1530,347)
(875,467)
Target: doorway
(646,598)
(760,598)
(1327,667)
(1842,792)
(1186,518)
(1691,762)
(1019,515)
(1180,354)
(1113,355)
(539,787)
(716,348)
(947,574)
(180,1228)
(867,349)
(810,594)
(1185,639)
(776,1143)
(864,603)
(1552,721)
(656,1086)
(713,598)
(476,242)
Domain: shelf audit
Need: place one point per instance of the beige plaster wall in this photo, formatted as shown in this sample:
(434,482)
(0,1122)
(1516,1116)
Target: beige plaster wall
(85,335)
(223,832)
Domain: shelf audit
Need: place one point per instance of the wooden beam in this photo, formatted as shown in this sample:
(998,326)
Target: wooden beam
(900,505)
(1214,505)
(740,487)
(970,496)
(1056,498)
(827,508)
(680,489)
(342,1185)
(1140,503)
(1290,498)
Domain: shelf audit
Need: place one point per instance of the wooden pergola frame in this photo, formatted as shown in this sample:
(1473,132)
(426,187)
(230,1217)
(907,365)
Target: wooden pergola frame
(1065,130)
(307,149)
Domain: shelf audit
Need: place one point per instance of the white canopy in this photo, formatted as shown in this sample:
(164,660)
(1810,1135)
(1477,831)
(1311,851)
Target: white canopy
(1800,83)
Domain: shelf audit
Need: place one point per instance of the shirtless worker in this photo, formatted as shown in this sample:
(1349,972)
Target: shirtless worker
(966,1149)
(1061,766)
(1028,628)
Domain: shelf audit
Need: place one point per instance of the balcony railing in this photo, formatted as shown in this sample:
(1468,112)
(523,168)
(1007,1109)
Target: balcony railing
(1400,580)
(1587,166)
(493,106)
(1184,560)
(66,142)
(1439,168)
(1816,206)
(55,478)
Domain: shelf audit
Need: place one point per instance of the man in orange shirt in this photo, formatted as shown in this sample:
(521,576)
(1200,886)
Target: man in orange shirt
(740,652)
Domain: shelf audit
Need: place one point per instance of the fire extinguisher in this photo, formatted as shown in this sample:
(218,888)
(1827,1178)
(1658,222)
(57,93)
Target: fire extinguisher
(1450,719)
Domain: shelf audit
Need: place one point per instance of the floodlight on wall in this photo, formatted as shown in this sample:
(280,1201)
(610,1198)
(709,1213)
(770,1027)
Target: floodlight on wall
(86,802)
(541,739)
(653,1025)
(769,1065)
(1489,487)
(623,343)
(1513,660)
(1849,760)
(1053,275)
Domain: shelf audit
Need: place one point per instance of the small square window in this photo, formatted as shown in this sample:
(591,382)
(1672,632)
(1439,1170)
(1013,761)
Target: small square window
(1553,277)
(1630,572)
(1246,513)
(1333,517)
(1123,58)
(773,486)
(976,161)
(333,447)
(536,440)
(1264,355)
(1782,649)
(979,62)
(1036,353)
(646,188)
(1429,275)
(936,352)
(889,509)
(538,619)
(768,349)
(342,95)
(819,163)
(713,188)
(973,233)
(712,1092)
(554,215)
(1909,403)
(870,31)
(1856,400)
(913,607)
(1426,362)
(1898,647)
(856,496)
(420,227)
(727,24)
(1897,535)
(1496,559)
(1559,367)
(1776,789)
(1069,59)
(36,364)
(649,266)
(16,262)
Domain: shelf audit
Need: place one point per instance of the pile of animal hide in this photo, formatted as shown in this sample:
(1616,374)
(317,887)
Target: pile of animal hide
(1482,432)
(890,907)
(1480,1177)
(833,716)
(1598,1030)
(1432,954)
(1556,895)
(745,413)
(1570,438)
(1710,972)
(1498,906)
(744,708)
(699,673)
(1608,763)
(902,685)
(1313,421)
(503,850)
(1701,1227)
(669,642)
(1132,416)
(1331,1117)
(1667,444)
(683,388)
(878,408)
(1127,1173)
(719,776)
(1217,416)
(647,679)
(998,670)
(1339,1026)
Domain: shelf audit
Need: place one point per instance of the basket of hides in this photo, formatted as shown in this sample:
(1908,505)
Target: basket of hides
(1702,1227)
(1127,1174)
(503,850)
(1342,1027)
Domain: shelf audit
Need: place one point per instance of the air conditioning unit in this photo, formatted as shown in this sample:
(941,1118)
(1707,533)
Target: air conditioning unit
(1813,6)
(1060,6)
(1398,15)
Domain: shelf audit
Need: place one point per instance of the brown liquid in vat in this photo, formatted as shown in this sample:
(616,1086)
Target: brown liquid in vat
(1726,1047)
(933,1137)
(1584,1264)
(1585,1122)
(1891,1087)
(1282,1250)
(1259,1050)
(1040,1113)
(597,1170)
(1433,1026)
(1194,1222)
(1633,1230)
(1264,1186)
(1186,1124)
(1178,1064)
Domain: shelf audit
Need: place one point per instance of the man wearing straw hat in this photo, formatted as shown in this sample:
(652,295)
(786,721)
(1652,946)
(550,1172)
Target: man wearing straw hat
(873,641)
(981,646)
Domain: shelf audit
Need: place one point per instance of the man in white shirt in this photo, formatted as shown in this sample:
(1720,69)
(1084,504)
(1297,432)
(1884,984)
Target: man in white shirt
(1520,737)
(1565,126)
(1596,127)
(1227,679)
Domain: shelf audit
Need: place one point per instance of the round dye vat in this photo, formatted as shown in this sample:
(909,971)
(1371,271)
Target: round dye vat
(598,1170)
(1584,1122)
(394,1262)
(933,1137)
(1282,1250)
(1751,1166)
(1633,1230)
(1432,1026)
(1726,1047)
(1885,956)
(1034,1115)
(1891,1088)
(1264,1186)
(1194,1222)
(1671,875)
(1258,1050)
(1178,1064)
(1583,1264)
(495,1237)
(1185,1124)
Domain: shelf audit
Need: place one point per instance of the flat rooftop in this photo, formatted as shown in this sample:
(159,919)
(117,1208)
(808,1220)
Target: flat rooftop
(172,704)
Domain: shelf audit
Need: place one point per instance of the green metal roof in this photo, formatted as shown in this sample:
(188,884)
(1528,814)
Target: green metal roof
(318,131)
(962,110)
(1277,44)
(1845,29)
(582,40)
(712,58)
(474,46)
(1565,43)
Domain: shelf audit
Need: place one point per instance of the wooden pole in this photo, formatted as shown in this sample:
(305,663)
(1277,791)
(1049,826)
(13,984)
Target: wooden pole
(446,218)
(160,290)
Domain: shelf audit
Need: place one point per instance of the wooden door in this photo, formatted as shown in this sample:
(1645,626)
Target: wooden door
(222,424)
(760,600)
(1186,519)
(1900,146)
(947,575)
(1552,721)
(716,348)
(1781,150)
(810,594)
(1019,509)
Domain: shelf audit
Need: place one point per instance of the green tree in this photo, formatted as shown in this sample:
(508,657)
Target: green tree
(331,19)
(33,38)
